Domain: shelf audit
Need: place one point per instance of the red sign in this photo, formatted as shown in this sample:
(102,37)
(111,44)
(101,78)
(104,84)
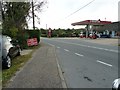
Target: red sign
(49,32)
(32,42)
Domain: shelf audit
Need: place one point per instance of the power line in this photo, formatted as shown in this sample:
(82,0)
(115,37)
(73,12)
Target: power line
(81,8)
(76,11)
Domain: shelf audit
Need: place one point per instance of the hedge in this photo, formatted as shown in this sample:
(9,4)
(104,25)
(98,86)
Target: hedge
(27,34)
(22,39)
(34,34)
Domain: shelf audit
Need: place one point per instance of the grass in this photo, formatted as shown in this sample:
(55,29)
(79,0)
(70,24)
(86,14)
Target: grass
(17,63)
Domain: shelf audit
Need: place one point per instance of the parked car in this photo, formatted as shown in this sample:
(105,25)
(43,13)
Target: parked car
(82,35)
(9,51)
(93,36)
(9,38)
(105,36)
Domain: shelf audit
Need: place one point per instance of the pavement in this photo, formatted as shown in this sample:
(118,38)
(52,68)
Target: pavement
(41,71)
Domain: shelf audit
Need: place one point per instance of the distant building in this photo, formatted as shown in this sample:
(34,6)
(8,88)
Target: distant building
(92,26)
(102,27)
(113,28)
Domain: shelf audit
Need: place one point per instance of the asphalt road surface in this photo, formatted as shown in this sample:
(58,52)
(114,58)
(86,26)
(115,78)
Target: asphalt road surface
(85,64)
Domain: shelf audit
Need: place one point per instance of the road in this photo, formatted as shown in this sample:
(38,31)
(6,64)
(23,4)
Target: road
(85,64)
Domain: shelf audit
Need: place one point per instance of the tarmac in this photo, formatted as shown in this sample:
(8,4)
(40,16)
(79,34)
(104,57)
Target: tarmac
(104,41)
(41,71)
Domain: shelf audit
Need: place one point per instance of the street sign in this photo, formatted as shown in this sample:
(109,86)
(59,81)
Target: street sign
(32,42)
(49,32)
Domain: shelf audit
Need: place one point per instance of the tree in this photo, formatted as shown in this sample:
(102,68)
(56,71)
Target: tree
(14,16)
(17,14)
(36,6)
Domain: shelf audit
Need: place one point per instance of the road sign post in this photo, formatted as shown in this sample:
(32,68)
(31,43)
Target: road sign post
(49,32)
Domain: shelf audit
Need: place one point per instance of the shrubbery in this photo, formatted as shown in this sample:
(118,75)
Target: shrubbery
(22,39)
(62,32)
(27,34)
(43,35)
(34,34)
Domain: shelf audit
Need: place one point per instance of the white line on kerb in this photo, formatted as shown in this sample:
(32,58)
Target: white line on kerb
(66,50)
(104,63)
(79,54)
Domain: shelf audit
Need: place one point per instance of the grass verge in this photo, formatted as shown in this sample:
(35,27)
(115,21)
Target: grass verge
(17,63)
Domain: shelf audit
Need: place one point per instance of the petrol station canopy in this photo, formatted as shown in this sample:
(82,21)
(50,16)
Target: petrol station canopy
(91,22)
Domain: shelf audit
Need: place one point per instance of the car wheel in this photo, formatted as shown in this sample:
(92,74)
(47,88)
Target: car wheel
(19,52)
(8,62)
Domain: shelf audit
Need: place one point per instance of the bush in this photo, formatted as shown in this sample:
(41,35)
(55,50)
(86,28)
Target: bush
(27,34)
(13,32)
(43,35)
(34,34)
(22,39)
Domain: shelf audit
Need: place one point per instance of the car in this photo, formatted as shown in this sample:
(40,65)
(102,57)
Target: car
(9,38)
(105,36)
(116,84)
(93,36)
(82,35)
(9,51)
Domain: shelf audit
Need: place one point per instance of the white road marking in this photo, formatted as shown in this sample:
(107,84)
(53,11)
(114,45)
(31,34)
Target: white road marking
(66,50)
(58,47)
(111,50)
(79,54)
(104,63)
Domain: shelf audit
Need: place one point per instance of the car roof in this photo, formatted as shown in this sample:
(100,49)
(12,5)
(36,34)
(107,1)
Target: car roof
(4,37)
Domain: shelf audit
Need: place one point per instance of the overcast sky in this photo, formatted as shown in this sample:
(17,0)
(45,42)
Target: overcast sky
(58,11)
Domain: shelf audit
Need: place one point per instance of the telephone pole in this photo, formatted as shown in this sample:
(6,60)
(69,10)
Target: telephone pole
(33,15)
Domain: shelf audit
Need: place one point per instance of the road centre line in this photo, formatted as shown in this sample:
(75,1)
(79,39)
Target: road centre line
(104,63)
(66,50)
(79,54)
(111,50)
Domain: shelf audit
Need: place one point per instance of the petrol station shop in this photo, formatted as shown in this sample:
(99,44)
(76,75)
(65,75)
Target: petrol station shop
(98,28)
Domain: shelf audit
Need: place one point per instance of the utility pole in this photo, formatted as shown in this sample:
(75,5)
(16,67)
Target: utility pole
(46,26)
(33,15)
(46,31)
(0,17)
